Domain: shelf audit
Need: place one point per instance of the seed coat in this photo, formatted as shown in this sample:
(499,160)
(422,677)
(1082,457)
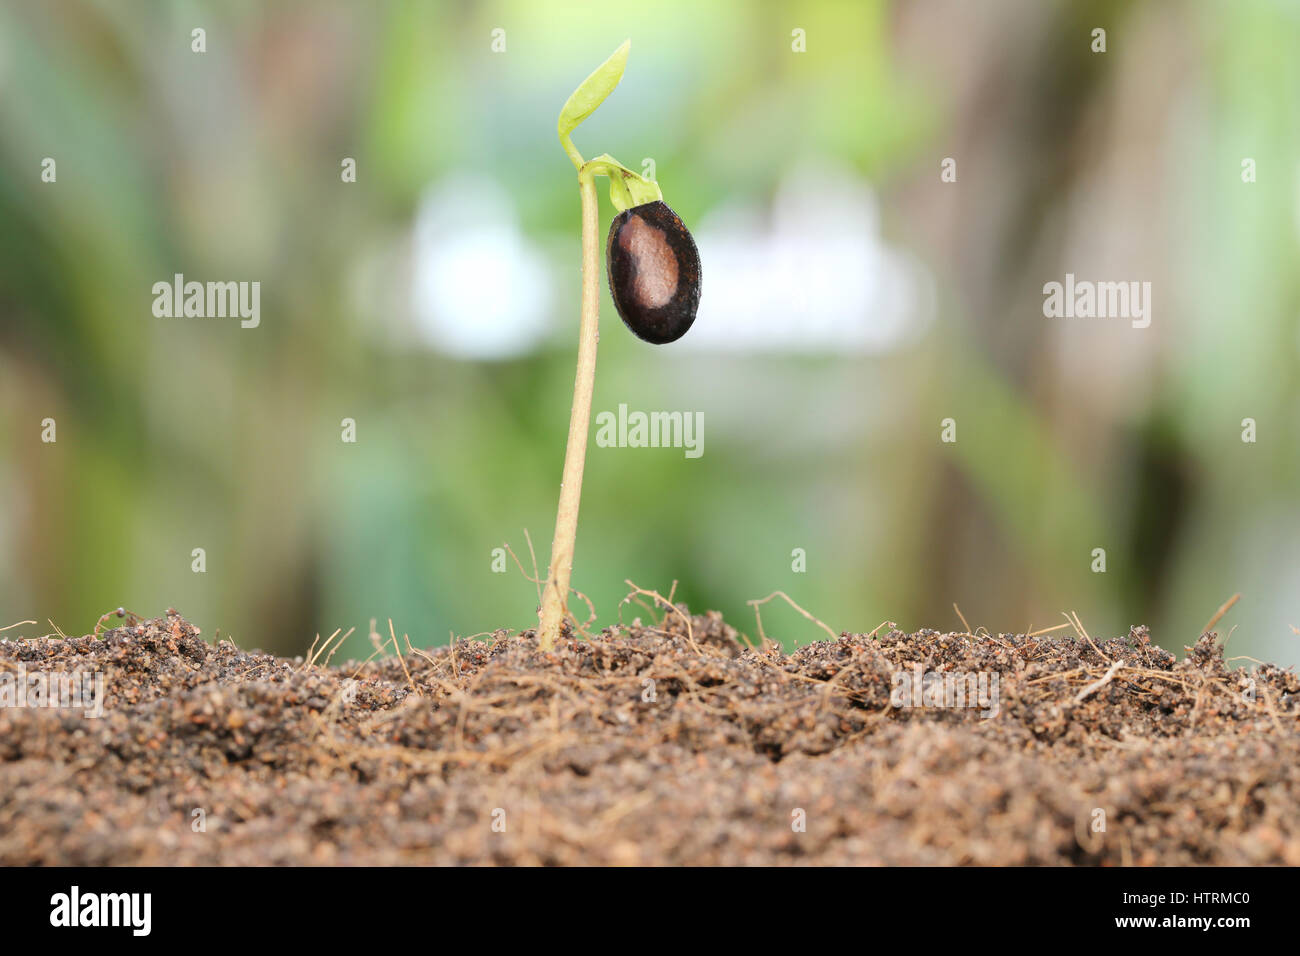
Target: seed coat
(653,268)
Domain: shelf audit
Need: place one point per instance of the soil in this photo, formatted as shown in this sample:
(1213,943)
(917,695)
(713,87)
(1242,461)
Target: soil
(655,744)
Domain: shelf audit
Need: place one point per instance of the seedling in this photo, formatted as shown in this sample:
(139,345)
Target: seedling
(120,612)
(654,278)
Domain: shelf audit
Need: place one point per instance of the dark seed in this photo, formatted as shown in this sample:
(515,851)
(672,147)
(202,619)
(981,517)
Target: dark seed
(654,272)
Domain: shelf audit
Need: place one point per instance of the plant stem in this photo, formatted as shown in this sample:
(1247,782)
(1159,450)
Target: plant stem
(555,598)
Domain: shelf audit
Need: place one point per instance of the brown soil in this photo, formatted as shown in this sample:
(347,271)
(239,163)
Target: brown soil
(565,750)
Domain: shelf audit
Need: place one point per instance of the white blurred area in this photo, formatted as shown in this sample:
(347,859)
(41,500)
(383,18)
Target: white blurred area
(481,289)
(810,274)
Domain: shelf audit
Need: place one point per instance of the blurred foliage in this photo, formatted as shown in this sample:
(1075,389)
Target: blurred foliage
(175,434)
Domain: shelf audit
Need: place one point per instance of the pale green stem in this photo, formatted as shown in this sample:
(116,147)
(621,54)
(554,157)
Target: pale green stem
(555,597)
(571,151)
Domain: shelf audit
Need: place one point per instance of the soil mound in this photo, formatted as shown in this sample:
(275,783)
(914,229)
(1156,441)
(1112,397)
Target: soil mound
(663,744)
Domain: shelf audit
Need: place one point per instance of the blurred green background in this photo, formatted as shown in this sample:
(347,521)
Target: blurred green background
(851,302)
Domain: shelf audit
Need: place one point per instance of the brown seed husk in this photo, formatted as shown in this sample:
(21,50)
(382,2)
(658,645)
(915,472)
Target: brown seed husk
(653,269)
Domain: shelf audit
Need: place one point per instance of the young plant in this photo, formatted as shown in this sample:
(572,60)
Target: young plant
(654,278)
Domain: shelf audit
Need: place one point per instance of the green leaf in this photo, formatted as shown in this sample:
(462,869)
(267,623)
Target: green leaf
(593,91)
(626,188)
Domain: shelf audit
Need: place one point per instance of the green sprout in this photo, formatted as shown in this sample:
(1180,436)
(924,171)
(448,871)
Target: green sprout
(654,275)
